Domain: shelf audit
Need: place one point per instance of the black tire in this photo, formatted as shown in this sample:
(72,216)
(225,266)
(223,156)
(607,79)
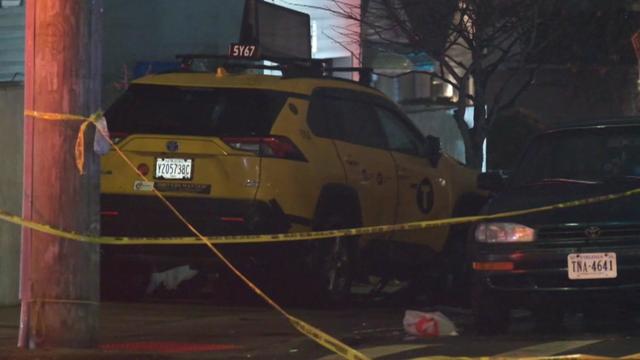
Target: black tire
(331,263)
(455,257)
(455,272)
(336,271)
(491,316)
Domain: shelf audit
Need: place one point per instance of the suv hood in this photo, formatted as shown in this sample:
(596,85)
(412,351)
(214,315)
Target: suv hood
(532,196)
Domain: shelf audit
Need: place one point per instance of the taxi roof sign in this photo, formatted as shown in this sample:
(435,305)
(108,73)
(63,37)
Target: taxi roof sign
(276,30)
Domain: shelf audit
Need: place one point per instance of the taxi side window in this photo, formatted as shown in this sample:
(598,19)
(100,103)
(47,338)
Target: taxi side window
(399,136)
(352,121)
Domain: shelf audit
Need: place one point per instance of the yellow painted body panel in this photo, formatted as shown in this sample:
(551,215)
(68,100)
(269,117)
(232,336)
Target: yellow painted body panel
(387,183)
(214,163)
(295,184)
(424,193)
(371,172)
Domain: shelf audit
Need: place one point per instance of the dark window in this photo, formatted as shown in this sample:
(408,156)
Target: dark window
(352,121)
(153,109)
(399,136)
(594,154)
(319,115)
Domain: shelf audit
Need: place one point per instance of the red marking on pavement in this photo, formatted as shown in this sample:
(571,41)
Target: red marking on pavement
(167,347)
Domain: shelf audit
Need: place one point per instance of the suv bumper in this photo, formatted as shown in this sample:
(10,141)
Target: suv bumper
(539,275)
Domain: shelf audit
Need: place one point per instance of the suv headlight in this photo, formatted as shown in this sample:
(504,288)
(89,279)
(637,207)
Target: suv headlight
(503,233)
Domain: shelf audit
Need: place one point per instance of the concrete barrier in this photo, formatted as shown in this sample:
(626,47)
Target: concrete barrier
(11,108)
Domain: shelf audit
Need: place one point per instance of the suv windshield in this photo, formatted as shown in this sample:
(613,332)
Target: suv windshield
(153,109)
(590,155)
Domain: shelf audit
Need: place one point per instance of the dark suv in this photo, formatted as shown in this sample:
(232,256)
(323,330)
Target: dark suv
(575,257)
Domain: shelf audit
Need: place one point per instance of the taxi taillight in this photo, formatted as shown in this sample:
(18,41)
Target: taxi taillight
(143,169)
(280,147)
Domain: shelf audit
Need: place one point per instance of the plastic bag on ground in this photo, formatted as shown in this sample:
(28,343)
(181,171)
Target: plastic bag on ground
(428,324)
(171,278)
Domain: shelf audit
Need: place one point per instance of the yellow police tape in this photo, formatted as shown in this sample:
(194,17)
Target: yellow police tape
(553,357)
(313,333)
(79,148)
(301,236)
(319,336)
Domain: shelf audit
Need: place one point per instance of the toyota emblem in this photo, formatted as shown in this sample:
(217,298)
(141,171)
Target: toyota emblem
(172,146)
(592,232)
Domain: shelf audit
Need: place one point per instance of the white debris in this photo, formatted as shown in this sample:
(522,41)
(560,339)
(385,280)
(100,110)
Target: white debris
(428,324)
(171,278)
(100,145)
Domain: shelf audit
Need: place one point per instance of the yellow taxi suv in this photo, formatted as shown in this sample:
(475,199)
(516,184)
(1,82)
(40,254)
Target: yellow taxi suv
(240,153)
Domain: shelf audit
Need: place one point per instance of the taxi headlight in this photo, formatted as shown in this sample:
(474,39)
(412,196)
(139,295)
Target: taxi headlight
(503,233)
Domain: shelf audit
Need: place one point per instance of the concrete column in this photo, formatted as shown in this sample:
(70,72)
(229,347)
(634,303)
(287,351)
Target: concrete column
(11,100)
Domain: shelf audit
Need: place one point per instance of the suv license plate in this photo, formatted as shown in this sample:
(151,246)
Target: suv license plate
(592,266)
(173,168)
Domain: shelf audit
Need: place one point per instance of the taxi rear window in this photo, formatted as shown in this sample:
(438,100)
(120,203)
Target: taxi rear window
(170,110)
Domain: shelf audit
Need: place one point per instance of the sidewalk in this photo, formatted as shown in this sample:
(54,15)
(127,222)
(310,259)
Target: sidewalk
(169,331)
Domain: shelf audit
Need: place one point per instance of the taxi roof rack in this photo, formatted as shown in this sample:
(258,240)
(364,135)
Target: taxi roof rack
(290,67)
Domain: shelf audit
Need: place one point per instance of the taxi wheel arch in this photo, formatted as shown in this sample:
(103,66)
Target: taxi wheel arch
(337,199)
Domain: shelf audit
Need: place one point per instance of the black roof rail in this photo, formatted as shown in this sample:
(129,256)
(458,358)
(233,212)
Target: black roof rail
(290,67)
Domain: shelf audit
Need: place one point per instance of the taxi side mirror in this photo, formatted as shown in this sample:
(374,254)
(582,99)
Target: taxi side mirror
(433,149)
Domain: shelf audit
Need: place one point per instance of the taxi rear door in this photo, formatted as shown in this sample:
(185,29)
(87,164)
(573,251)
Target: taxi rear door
(362,149)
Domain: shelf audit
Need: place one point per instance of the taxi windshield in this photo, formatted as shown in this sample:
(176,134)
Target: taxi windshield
(587,155)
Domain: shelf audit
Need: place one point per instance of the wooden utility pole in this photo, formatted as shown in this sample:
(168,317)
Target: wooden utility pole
(60,278)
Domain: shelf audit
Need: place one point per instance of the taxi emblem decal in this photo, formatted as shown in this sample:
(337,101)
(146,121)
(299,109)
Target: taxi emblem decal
(172,146)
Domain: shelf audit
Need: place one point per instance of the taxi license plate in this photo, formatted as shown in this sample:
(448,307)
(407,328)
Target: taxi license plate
(592,266)
(173,168)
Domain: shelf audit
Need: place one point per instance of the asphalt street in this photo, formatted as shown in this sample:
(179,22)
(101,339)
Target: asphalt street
(174,328)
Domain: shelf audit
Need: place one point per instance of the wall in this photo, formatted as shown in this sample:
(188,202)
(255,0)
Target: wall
(158,30)
(11,104)
(11,43)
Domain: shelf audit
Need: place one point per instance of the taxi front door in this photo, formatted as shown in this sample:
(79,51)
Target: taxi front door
(422,193)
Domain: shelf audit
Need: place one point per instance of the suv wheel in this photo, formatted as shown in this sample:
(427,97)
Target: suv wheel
(491,316)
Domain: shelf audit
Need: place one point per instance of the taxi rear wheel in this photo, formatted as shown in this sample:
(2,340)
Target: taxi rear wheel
(332,264)
(336,270)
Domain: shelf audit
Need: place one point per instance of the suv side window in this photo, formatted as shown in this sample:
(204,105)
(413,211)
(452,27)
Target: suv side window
(399,136)
(349,120)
